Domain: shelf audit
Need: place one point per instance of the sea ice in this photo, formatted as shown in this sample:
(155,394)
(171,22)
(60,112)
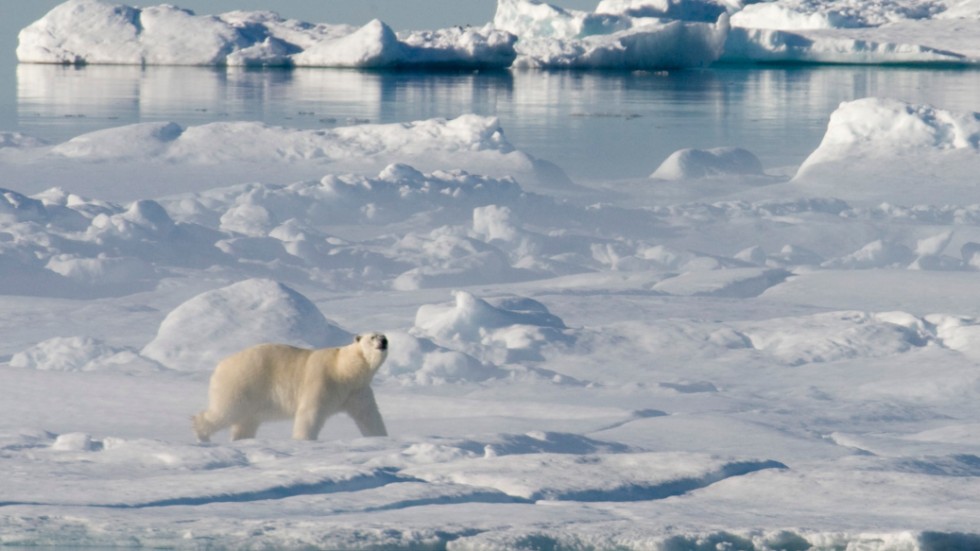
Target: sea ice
(846,31)
(552,37)
(564,360)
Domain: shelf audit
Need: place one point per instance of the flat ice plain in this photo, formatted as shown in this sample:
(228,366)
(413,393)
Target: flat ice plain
(779,362)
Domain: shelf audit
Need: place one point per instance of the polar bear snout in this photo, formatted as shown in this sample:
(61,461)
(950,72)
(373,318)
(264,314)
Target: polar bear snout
(378,341)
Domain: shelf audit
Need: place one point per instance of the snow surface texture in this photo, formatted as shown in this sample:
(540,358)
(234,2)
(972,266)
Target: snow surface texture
(564,360)
(632,34)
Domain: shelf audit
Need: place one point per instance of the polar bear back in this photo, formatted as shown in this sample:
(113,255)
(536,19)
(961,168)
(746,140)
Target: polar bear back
(270,378)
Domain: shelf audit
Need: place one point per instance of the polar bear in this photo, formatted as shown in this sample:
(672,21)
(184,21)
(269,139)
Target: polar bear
(277,381)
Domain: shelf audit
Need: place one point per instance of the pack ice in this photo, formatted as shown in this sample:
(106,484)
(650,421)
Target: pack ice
(773,363)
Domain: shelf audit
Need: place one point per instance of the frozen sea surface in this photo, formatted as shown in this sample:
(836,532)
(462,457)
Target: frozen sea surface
(572,364)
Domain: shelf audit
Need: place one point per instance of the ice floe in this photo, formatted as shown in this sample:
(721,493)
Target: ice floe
(94,31)
(619,34)
(552,37)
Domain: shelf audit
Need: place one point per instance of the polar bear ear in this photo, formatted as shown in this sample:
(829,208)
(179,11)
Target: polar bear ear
(357,338)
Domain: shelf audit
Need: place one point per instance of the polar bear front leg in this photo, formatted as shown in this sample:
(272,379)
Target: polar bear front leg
(363,408)
(245,428)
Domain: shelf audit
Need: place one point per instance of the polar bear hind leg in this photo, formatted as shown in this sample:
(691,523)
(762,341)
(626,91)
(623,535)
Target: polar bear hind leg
(205,426)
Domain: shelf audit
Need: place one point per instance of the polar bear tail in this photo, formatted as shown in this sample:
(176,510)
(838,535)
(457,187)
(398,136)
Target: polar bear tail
(203,428)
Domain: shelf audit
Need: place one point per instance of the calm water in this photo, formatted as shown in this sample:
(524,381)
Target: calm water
(594,125)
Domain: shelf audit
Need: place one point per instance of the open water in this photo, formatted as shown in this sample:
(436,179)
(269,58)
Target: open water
(595,125)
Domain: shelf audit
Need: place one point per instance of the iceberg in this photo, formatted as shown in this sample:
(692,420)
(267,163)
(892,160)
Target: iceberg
(550,37)
(685,10)
(667,34)
(97,32)
(848,31)
(618,34)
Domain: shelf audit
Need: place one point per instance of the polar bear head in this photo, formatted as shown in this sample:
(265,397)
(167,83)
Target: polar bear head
(374,348)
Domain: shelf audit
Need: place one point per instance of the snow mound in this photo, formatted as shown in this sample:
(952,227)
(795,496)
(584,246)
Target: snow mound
(881,137)
(65,245)
(877,254)
(553,37)
(957,333)
(837,336)
(420,361)
(690,164)
(200,332)
(396,194)
(467,142)
(732,282)
(516,329)
(95,31)
(888,127)
(80,354)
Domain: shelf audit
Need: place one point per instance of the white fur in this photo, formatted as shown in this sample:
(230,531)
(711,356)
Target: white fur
(277,381)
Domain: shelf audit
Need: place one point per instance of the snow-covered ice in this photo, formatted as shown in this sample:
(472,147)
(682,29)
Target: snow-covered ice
(852,31)
(552,37)
(564,361)
(620,34)
(96,31)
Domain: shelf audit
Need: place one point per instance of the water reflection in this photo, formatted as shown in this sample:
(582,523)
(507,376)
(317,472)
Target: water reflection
(62,101)
(595,125)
